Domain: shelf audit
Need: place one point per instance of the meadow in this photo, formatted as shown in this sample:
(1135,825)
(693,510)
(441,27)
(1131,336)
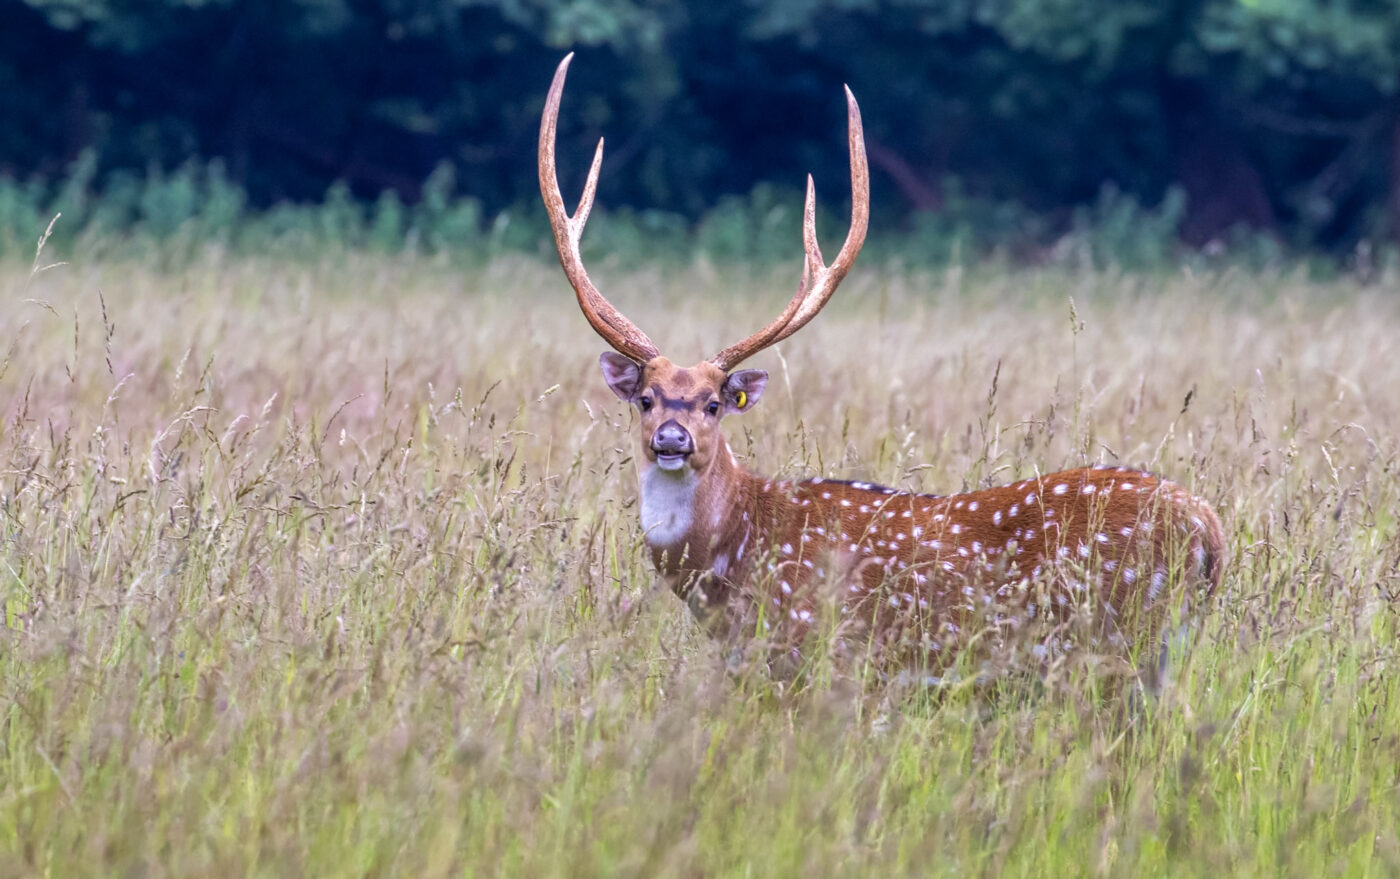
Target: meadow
(331,566)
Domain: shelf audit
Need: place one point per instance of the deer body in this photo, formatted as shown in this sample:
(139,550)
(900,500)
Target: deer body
(785,552)
(903,574)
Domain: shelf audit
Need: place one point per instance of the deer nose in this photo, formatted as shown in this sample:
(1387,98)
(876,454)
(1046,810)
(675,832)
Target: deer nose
(672,439)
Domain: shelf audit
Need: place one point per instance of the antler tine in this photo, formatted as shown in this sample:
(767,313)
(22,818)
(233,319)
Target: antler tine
(607,321)
(819,281)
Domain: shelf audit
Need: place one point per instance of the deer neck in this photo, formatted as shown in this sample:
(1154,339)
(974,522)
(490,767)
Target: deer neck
(690,516)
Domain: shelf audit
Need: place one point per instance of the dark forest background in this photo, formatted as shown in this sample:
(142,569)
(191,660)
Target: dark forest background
(1014,121)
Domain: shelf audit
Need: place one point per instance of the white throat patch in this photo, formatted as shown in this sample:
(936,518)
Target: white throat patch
(668,504)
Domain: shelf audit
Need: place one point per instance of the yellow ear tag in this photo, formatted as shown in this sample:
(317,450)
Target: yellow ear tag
(742,399)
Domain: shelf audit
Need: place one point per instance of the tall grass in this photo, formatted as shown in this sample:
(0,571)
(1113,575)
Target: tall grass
(332,568)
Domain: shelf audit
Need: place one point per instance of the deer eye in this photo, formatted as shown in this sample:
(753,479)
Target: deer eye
(713,408)
(645,402)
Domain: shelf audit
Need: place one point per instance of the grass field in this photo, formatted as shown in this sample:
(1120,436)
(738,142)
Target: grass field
(334,569)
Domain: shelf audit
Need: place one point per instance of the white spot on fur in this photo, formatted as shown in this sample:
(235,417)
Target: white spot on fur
(1061,488)
(721,566)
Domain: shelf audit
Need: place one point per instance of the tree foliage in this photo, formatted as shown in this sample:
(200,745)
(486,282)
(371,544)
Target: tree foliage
(1276,114)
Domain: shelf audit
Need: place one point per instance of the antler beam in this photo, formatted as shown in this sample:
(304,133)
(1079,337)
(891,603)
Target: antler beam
(819,281)
(611,324)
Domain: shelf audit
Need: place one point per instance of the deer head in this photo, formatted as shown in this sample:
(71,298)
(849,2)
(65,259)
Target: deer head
(681,408)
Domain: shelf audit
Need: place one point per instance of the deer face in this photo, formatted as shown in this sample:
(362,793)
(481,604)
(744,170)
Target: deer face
(681,408)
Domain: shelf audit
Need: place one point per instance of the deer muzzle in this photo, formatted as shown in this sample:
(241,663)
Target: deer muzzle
(672,444)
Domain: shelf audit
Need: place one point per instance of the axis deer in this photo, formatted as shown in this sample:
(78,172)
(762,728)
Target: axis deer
(908,576)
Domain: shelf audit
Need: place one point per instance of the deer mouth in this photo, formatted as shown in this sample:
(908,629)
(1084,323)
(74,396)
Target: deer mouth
(671,460)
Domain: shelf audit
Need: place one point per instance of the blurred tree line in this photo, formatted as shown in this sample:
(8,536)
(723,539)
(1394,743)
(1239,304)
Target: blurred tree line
(1023,118)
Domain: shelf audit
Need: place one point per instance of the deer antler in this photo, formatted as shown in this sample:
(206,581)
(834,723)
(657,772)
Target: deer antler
(819,280)
(609,323)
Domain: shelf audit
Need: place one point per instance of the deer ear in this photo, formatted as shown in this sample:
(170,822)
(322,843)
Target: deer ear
(622,374)
(743,388)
